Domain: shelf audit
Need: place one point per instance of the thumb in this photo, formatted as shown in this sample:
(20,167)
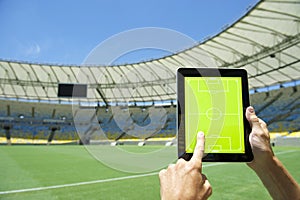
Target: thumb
(252,118)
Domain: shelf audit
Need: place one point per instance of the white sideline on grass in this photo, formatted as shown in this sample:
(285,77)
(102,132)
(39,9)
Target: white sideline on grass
(105,180)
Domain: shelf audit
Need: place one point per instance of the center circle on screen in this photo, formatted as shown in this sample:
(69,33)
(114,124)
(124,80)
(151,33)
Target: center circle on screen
(130,158)
(214,114)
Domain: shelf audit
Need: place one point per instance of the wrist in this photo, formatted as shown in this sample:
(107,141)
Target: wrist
(263,166)
(279,183)
(263,163)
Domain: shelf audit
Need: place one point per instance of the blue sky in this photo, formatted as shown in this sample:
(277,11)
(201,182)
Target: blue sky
(65,31)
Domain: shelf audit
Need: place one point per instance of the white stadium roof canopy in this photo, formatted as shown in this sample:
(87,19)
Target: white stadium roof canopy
(265,42)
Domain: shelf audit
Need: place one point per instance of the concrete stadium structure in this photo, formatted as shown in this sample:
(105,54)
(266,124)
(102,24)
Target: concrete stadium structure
(265,42)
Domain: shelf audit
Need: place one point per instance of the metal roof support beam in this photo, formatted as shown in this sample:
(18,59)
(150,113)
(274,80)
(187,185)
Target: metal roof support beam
(102,96)
(288,42)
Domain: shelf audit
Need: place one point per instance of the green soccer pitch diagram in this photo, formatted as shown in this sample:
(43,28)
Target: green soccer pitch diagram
(214,105)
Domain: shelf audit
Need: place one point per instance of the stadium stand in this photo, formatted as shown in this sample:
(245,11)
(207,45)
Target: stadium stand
(265,42)
(279,108)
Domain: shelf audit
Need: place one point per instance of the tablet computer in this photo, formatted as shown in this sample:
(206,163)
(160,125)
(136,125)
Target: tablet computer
(213,101)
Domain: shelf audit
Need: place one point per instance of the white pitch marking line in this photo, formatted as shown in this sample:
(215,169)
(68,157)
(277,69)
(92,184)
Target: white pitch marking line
(77,184)
(105,180)
(88,182)
(284,152)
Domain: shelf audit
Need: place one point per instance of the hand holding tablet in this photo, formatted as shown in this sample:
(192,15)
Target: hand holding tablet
(185,180)
(213,101)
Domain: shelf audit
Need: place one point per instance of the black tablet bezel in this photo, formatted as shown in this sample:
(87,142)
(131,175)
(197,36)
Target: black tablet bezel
(212,72)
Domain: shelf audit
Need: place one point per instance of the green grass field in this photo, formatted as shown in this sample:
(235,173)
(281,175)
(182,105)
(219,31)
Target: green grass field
(23,167)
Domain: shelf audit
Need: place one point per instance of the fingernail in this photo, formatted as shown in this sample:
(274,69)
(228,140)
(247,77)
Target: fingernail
(200,133)
(251,110)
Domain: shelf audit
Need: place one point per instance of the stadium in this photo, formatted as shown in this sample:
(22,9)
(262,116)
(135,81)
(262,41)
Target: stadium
(46,131)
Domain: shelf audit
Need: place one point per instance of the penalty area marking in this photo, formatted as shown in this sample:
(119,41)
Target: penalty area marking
(105,180)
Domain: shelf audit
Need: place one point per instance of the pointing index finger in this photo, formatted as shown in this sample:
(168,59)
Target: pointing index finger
(199,151)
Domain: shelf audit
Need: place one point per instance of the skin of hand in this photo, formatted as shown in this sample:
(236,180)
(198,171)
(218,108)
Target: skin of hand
(259,139)
(184,180)
(277,180)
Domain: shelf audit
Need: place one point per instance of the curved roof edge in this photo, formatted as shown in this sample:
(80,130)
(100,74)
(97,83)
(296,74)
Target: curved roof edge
(265,42)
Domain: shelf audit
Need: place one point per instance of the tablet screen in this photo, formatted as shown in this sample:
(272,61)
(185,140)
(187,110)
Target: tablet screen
(214,106)
(213,101)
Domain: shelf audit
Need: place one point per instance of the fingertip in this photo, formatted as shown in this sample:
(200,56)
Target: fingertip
(251,110)
(201,139)
(200,135)
(199,150)
(250,115)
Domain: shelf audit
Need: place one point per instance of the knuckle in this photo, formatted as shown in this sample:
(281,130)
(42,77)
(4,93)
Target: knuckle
(266,137)
(209,190)
(192,166)
(196,164)
(262,124)
(171,167)
(254,118)
(258,132)
(180,161)
(162,173)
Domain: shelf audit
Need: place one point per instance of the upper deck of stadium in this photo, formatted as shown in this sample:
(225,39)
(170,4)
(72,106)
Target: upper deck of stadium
(265,42)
